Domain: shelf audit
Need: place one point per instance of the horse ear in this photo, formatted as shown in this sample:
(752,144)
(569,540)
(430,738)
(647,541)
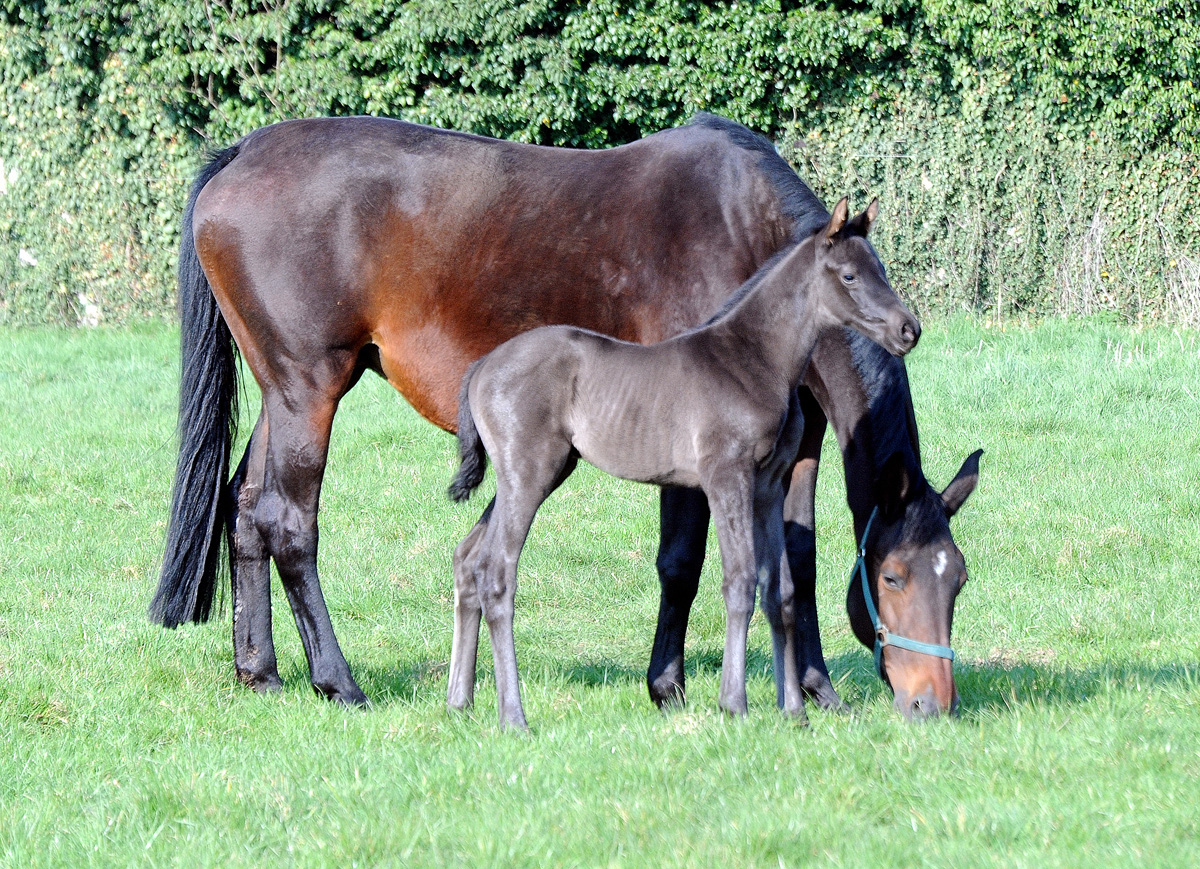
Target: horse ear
(861,223)
(870,214)
(894,486)
(963,484)
(838,220)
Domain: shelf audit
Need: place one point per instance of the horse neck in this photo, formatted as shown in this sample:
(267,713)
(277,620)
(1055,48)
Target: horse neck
(872,414)
(773,328)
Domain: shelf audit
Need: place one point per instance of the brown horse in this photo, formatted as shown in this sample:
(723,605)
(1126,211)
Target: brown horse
(712,409)
(328,247)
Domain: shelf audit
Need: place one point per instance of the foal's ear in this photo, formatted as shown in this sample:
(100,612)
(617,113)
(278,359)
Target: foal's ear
(963,484)
(838,220)
(862,223)
(894,486)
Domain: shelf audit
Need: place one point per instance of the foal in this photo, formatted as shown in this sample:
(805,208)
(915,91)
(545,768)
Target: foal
(713,409)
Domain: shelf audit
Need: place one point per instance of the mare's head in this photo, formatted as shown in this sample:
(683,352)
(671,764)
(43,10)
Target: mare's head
(914,572)
(851,284)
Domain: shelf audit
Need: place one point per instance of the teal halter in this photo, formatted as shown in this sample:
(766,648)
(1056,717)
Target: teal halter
(883,637)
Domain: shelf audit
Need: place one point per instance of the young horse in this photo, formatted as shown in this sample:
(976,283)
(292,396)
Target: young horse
(327,247)
(712,409)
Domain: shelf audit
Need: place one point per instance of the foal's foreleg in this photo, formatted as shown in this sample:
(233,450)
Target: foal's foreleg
(464,652)
(799,515)
(250,568)
(729,497)
(777,595)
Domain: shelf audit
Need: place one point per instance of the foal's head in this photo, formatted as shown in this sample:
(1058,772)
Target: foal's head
(914,573)
(853,288)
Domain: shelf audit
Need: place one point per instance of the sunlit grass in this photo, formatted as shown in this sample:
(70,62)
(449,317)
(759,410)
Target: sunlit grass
(1079,643)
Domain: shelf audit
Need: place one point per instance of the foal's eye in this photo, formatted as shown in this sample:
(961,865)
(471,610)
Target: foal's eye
(849,279)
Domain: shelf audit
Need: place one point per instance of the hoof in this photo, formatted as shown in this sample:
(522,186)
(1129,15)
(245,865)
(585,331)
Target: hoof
(668,694)
(346,695)
(261,683)
(820,690)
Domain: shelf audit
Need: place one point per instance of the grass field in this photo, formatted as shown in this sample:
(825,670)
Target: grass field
(1078,744)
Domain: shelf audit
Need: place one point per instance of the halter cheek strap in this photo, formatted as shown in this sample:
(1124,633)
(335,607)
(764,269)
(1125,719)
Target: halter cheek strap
(883,637)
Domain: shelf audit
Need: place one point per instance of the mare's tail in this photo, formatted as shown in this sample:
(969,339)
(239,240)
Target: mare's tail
(207,423)
(470,446)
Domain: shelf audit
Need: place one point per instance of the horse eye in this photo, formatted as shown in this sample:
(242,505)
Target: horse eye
(893,582)
(849,279)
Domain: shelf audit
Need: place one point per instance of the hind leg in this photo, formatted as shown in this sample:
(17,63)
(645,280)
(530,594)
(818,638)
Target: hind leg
(297,448)
(464,652)
(250,568)
(683,535)
(521,487)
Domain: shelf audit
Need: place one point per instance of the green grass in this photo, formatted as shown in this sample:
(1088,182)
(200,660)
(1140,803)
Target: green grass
(1079,643)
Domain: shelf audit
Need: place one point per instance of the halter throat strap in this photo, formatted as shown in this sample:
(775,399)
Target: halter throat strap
(884,637)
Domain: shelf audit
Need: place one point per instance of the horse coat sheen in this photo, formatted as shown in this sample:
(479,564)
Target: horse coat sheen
(329,247)
(712,409)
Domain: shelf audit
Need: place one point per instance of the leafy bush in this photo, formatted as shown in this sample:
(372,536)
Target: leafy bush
(1032,157)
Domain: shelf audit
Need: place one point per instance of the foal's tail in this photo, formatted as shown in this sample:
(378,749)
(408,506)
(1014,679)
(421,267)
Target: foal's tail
(470,446)
(207,424)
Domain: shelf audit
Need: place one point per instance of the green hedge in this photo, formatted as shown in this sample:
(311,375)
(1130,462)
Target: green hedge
(1032,158)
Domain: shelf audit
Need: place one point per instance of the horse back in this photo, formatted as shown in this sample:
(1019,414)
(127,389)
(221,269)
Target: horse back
(324,236)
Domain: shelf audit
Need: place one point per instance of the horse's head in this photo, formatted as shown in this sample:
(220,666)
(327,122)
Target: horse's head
(913,571)
(854,287)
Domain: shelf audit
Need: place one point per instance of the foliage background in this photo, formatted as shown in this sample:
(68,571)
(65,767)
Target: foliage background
(1034,158)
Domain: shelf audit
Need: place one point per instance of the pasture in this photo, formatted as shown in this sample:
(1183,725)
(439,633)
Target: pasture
(1078,641)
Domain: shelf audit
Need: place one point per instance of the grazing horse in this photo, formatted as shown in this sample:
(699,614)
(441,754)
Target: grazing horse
(324,248)
(713,409)
(863,392)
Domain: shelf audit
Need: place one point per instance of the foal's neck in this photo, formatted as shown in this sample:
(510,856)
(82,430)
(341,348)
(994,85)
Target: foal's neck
(773,328)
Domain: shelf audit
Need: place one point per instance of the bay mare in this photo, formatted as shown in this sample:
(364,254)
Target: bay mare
(713,409)
(328,247)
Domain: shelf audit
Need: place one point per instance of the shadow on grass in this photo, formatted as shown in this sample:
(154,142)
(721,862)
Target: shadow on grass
(608,672)
(983,686)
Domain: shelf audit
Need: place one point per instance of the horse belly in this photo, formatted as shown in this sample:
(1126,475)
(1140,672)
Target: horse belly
(629,423)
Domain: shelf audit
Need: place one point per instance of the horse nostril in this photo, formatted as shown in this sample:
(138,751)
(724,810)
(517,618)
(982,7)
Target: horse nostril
(910,332)
(924,706)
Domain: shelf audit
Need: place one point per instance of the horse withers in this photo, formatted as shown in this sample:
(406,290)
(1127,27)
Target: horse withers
(714,409)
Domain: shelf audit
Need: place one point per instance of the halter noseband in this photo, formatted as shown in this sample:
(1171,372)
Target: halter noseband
(883,637)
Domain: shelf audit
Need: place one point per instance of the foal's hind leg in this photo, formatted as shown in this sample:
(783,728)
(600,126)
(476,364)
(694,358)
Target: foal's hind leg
(253,644)
(297,448)
(683,535)
(520,489)
(464,652)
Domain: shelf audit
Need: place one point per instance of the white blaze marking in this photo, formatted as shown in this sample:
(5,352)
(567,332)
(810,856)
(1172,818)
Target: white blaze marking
(939,563)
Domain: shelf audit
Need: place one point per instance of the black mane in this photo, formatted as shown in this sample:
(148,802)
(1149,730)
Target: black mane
(889,407)
(799,203)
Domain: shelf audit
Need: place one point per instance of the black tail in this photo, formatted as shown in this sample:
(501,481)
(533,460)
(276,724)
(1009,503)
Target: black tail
(470,447)
(207,424)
